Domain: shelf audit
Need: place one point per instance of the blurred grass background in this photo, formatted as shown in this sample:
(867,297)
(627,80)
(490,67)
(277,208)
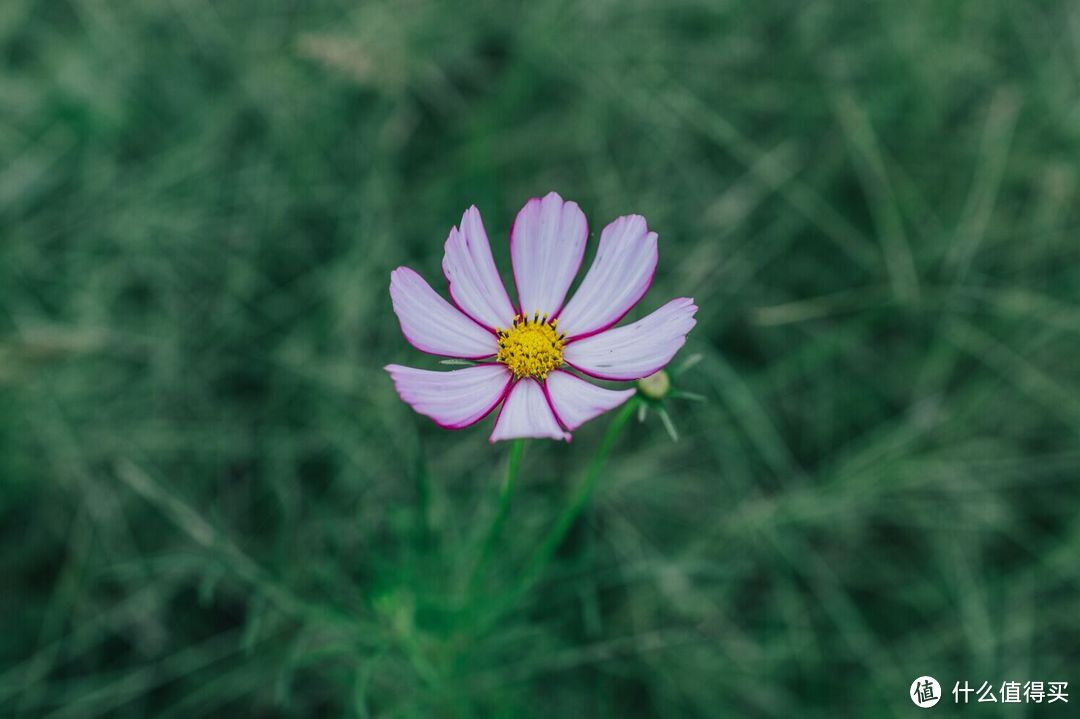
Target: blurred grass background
(213,503)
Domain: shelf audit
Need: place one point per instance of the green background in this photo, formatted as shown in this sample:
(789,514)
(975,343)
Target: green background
(212,503)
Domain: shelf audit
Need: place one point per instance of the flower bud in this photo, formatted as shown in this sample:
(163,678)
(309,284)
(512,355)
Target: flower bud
(655,386)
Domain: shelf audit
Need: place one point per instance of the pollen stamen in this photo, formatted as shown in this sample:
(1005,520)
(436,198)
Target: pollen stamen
(531,347)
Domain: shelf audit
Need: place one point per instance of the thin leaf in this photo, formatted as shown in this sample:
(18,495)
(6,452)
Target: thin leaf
(668,424)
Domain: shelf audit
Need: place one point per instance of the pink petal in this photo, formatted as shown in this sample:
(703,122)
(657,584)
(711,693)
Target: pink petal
(547,243)
(526,413)
(474,280)
(431,324)
(620,276)
(636,350)
(453,399)
(576,401)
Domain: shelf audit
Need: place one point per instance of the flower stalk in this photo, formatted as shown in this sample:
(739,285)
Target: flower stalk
(545,551)
(506,491)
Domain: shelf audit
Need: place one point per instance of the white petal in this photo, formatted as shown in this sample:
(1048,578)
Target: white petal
(636,350)
(526,413)
(474,280)
(576,401)
(431,324)
(547,243)
(620,276)
(453,399)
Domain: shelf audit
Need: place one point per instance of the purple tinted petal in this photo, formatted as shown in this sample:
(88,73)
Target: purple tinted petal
(546,246)
(636,350)
(576,401)
(620,276)
(453,399)
(526,413)
(432,324)
(474,280)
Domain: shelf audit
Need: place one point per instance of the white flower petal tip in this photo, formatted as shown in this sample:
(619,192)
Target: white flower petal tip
(636,350)
(547,244)
(454,399)
(621,274)
(433,325)
(576,401)
(526,413)
(475,284)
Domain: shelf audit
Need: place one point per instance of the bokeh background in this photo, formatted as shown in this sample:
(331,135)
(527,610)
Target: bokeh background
(212,503)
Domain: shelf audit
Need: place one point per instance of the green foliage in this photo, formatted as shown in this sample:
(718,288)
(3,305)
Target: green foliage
(212,503)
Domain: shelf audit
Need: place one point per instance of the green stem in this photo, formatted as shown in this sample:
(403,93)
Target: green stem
(505,492)
(564,523)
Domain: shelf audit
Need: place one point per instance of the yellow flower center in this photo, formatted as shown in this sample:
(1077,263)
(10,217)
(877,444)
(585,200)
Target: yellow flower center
(531,348)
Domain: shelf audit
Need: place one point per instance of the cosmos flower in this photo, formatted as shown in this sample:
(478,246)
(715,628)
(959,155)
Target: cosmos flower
(530,356)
